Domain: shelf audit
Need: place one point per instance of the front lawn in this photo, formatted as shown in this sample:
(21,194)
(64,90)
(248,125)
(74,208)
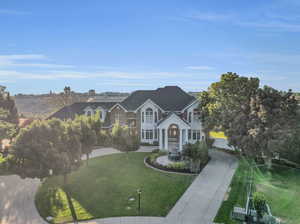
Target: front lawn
(106,187)
(280,186)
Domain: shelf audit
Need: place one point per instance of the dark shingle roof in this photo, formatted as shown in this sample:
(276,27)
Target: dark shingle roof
(169,98)
(69,112)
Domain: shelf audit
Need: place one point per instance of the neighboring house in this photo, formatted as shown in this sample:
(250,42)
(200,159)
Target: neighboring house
(167,116)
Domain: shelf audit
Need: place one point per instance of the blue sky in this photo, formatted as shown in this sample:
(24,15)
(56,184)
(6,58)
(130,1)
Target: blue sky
(128,45)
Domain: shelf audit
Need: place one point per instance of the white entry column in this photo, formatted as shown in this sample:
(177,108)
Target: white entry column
(166,139)
(186,136)
(180,139)
(160,139)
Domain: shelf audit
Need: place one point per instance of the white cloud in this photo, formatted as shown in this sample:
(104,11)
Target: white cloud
(275,25)
(275,21)
(14,61)
(209,16)
(199,68)
(13,12)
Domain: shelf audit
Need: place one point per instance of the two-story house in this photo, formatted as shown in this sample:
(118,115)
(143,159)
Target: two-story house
(167,116)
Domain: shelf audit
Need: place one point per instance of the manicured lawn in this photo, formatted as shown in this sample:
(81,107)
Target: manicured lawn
(103,189)
(280,186)
(282,189)
(219,134)
(237,195)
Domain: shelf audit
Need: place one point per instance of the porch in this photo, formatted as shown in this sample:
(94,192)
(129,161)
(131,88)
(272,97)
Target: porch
(173,134)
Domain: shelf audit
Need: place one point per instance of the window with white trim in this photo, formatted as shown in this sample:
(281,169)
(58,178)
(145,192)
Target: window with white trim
(89,113)
(196,135)
(189,134)
(147,134)
(155,133)
(190,117)
(149,115)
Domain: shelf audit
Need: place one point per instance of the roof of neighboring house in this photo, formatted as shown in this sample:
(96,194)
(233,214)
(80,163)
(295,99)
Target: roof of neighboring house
(69,112)
(169,98)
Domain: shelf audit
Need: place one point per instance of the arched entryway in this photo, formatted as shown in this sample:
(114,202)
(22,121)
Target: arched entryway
(173,138)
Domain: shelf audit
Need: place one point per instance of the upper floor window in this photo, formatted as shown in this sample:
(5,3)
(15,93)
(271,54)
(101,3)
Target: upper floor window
(190,117)
(196,114)
(149,115)
(89,113)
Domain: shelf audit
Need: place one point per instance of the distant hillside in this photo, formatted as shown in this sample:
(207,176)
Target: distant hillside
(40,106)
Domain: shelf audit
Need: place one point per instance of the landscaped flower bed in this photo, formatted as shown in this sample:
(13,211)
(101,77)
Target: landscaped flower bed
(178,167)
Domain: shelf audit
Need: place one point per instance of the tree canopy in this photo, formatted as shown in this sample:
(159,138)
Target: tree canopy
(45,148)
(254,119)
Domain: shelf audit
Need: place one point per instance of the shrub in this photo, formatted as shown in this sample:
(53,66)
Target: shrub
(155,150)
(259,200)
(178,165)
(123,139)
(210,142)
(104,138)
(197,154)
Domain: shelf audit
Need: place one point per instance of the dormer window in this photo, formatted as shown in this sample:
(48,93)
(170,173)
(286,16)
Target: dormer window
(102,113)
(149,115)
(89,113)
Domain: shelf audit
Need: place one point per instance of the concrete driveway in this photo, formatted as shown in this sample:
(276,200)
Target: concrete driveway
(202,200)
(17,201)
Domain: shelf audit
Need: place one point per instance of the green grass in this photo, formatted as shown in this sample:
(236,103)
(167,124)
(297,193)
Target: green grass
(280,186)
(237,195)
(219,134)
(282,189)
(104,187)
(2,159)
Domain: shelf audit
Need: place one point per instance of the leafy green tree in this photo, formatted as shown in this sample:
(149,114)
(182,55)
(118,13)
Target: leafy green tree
(96,124)
(274,120)
(7,104)
(46,148)
(8,116)
(254,119)
(88,136)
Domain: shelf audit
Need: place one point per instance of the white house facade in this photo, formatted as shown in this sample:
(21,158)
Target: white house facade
(167,117)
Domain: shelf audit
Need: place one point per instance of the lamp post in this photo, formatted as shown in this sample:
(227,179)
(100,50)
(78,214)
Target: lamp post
(139,191)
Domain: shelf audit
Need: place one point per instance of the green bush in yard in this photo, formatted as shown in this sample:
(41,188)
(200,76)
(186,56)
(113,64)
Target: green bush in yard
(259,203)
(177,165)
(197,154)
(124,139)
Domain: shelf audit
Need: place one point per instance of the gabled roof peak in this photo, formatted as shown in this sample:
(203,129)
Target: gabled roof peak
(169,98)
